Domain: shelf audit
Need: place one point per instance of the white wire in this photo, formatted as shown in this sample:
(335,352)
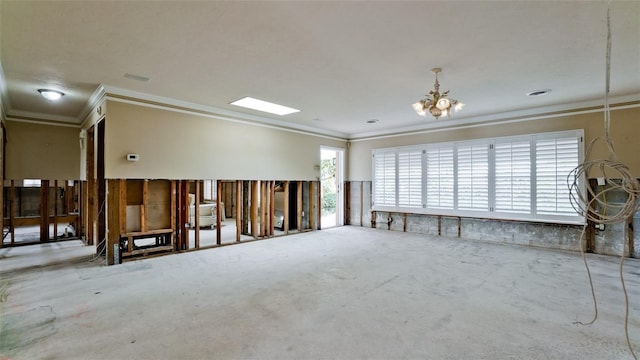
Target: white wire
(617,178)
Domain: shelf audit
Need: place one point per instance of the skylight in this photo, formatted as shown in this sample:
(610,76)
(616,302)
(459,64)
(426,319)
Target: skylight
(261,105)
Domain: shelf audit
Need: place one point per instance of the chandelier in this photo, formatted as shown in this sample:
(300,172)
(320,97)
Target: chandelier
(437,104)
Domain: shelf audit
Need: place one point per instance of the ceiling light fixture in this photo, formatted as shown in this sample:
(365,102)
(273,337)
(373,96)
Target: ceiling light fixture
(435,103)
(51,95)
(261,105)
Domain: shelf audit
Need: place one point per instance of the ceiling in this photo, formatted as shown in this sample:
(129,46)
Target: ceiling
(340,63)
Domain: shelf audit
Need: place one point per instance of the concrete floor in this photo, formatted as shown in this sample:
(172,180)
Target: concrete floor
(343,293)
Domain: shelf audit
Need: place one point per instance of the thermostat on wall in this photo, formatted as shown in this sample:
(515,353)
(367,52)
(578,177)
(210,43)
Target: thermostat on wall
(133,157)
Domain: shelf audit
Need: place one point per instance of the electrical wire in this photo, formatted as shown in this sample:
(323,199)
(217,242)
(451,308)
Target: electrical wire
(617,177)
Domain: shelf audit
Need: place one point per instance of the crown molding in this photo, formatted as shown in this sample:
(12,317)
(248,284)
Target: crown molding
(160,102)
(98,96)
(18,114)
(41,122)
(585,107)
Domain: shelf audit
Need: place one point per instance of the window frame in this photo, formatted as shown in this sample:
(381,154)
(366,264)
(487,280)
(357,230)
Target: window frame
(531,215)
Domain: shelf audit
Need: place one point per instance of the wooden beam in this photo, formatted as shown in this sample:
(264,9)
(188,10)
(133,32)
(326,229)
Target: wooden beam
(263,208)
(174,205)
(272,207)
(55,209)
(285,223)
(312,206)
(318,195)
(238,209)
(196,214)
(404,222)
(184,216)
(12,200)
(113,219)
(299,202)
(92,192)
(219,213)
(44,210)
(347,203)
(246,208)
(122,206)
(144,214)
(254,209)
(629,224)
(591,226)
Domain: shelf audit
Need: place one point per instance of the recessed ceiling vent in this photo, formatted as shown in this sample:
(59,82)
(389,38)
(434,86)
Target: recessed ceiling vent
(137,77)
(539,92)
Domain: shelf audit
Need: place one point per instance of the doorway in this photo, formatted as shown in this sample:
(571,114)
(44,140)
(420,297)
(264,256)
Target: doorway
(331,181)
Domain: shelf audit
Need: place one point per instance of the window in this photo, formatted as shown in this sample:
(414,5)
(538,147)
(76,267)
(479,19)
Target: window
(473,176)
(31,183)
(385,178)
(209,190)
(440,177)
(517,177)
(410,178)
(555,158)
(513,176)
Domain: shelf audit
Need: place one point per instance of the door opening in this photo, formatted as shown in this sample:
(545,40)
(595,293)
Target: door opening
(331,180)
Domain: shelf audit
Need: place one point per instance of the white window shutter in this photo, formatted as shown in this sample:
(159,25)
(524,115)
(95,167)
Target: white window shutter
(440,180)
(473,177)
(385,178)
(410,178)
(555,158)
(513,177)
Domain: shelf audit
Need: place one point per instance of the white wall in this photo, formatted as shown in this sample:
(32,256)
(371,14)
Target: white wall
(178,145)
(625,132)
(39,151)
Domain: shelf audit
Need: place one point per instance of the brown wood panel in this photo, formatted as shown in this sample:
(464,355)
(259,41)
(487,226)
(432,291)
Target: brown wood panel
(134,192)
(158,207)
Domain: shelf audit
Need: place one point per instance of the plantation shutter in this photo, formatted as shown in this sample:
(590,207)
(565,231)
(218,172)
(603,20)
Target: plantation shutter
(555,158)
(513,177)
(473,177)
(410,178)
(440,177)
(385,178)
